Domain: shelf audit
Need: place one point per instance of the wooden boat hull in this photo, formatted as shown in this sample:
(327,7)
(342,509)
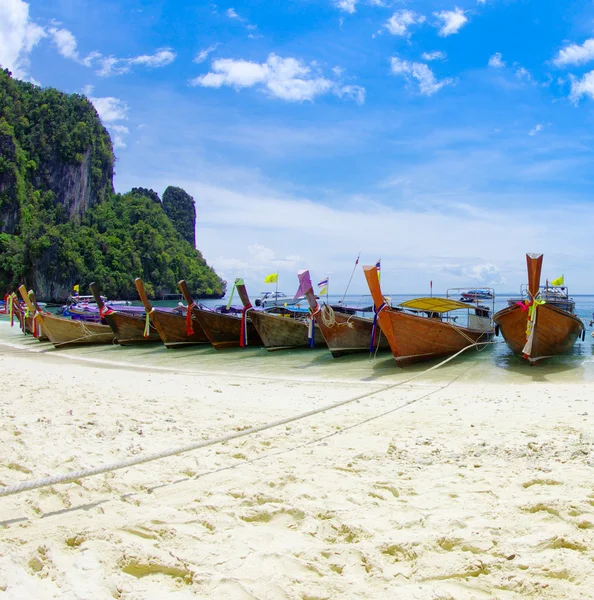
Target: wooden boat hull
(415,339)
(279,333)
(129,328)
(172,329)
(555,331)
(349,334)
(223,331)
(66,332)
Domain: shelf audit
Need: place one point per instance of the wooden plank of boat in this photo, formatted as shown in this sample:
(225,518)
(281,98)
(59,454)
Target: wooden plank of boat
(19,313)
(537,331)
(35,325)
(344,333)
(415,339)
(66,332)
(223,330)
(172,327)
(279,332)
(128,328)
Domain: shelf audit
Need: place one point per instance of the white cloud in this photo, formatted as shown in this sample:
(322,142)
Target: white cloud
(285,78)
(88,90)
(401,20)
(575,54)
(451,21)
(524,74)
(536,129)
(347,5)
(161,58)
(582,87)
(18,36)
(486,274)
(353,92)
(111,65)
(232,14)
(203,54)
(433,55)
(110,109)
(428,84)
(65,42)
(496,61)
(117,135)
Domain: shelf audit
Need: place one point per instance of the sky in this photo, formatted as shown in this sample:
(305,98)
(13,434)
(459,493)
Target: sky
(446,138)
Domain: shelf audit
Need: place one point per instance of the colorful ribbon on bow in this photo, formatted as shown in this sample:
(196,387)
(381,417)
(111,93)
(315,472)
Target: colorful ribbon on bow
(311,328)
(24,321)
(11,309)
(531,308)
(147,324)
(105,310)
(189,328)
(36,326)
(243,336)
(374,328)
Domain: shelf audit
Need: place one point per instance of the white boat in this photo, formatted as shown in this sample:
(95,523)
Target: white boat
(277,299)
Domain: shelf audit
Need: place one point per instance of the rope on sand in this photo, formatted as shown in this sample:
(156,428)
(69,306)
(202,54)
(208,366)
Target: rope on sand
(34,484)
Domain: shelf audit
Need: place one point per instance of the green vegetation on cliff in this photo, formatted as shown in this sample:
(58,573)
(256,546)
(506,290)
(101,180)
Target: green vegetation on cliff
(180,208)
(61,223)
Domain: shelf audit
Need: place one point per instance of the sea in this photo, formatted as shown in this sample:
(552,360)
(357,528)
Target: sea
(493,364)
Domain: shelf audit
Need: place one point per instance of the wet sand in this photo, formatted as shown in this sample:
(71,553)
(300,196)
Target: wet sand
(440,488)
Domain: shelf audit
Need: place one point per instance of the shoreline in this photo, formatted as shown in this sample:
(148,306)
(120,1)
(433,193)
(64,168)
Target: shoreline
(472,491)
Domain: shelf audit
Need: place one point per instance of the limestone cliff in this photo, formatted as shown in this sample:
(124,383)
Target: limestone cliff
(61,223)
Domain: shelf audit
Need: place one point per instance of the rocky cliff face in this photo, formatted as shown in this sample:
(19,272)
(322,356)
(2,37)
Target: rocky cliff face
(9,202)
(72,185)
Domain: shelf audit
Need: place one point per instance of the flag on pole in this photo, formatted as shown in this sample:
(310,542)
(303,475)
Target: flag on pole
(357,261)
(378,267)
(323,285)
(272,278)
(558,281)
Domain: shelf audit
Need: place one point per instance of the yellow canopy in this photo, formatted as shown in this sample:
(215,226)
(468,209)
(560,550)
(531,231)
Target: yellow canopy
(439,305)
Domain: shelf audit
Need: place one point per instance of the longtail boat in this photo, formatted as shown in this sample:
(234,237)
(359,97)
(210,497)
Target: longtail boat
(279,332)
(345,333)
(66,332)
(543,324)
(415,338)
(223,330)
(130,327)
(176,328)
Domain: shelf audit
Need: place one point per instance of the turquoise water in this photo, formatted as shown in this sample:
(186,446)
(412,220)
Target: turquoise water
(495,364)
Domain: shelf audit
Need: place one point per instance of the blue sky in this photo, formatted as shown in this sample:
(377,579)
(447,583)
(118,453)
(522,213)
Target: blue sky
(446,138)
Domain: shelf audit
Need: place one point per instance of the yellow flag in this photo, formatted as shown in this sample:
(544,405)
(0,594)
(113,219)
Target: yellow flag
(76,288)
(558,281)
(272,278)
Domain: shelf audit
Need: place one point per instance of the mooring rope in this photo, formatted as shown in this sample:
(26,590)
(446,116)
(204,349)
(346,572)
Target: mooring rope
(33,484)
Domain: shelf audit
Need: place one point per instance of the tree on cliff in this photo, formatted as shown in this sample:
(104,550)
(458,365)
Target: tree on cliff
(179,206)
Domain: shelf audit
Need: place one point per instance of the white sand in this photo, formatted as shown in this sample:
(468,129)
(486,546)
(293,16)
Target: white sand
(472,492)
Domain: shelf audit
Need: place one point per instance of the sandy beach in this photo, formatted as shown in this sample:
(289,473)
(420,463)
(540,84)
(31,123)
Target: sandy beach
(426,490)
